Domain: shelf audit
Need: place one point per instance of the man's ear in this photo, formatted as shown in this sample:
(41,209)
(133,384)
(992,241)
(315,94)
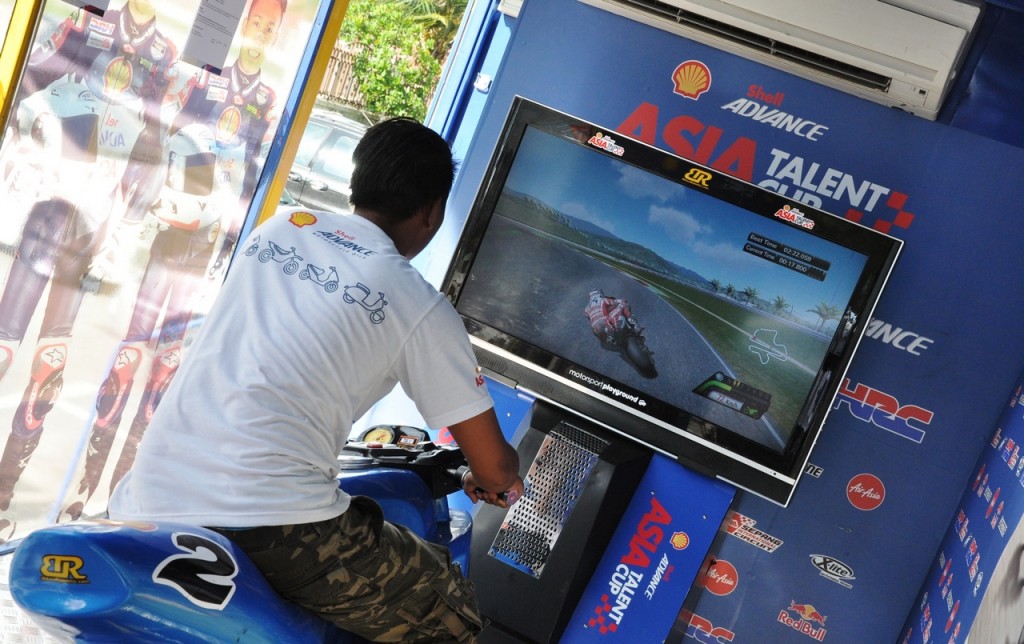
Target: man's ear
(433,215)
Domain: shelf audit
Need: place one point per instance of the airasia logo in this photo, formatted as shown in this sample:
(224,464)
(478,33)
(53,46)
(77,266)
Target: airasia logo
(865,492)
(721,578)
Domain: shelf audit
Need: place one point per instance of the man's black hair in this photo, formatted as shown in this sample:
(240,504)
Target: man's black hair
(401,167)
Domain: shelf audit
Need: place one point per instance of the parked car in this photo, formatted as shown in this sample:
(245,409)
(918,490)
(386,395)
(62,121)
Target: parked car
(322,169)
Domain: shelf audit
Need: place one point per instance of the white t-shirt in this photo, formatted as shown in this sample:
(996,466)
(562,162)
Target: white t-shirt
(319,318)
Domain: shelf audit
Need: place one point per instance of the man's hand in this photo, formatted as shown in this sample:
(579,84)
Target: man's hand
(494,463)
(502,500)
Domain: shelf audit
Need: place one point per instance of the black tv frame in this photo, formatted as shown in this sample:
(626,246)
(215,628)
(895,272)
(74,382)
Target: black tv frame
(695,442)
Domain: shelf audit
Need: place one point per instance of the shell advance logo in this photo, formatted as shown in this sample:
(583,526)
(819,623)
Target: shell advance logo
(637,567)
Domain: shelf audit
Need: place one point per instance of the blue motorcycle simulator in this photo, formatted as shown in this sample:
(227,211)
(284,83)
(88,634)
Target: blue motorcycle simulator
(106,581)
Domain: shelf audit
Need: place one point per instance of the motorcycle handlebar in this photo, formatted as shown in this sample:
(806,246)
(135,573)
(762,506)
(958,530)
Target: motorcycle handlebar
(460,473)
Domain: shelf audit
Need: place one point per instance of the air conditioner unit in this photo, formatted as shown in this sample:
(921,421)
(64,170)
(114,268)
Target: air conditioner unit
(901,53)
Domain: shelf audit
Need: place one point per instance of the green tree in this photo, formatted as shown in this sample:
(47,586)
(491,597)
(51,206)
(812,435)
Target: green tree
(440,19)
(750,293)
(394,64)
(826,312)
(779,304)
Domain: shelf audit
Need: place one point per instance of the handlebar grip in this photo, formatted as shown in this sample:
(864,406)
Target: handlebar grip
(508,496)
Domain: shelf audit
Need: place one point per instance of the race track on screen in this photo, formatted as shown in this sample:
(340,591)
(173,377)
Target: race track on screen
(532,285)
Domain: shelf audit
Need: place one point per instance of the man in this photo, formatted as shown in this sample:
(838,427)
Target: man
(246,438)
(114,70)
(235,111)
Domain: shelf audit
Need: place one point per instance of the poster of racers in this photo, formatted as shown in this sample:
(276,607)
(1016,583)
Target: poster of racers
(128,165)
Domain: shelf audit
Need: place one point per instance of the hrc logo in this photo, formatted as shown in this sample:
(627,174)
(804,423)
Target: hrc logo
(883,410)
(63,568)
(705,632)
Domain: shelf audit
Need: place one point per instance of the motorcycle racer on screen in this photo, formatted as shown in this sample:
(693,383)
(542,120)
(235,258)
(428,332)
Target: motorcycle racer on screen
(612,321)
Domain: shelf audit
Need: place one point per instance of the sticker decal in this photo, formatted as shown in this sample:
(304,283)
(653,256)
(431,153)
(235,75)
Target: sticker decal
(65,569)
(606,143)
(204,574)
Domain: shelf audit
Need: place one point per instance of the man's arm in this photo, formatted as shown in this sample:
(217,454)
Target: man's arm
(493,463)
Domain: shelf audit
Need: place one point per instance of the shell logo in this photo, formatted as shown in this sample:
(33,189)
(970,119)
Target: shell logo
(117,77)
(228,124)
(692,78)
(680,540)
(302,218)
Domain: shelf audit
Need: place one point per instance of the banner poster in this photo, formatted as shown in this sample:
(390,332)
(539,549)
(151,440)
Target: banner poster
(976,583)
(126,175)
(653,558)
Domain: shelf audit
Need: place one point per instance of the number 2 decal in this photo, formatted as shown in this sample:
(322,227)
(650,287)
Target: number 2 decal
(204,574)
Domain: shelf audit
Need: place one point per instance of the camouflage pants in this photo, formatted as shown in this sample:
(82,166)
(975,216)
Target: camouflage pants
(368,576)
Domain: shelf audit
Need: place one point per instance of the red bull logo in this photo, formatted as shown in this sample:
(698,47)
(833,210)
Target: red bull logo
(806,616)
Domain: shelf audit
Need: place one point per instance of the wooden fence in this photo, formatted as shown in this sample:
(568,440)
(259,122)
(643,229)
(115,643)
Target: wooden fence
(339,84)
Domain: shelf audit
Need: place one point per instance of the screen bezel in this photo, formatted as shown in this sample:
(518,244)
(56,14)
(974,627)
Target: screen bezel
(694,442)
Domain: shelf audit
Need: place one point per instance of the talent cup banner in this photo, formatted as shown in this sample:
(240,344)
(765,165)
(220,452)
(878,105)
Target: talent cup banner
(126,173)
(653,557)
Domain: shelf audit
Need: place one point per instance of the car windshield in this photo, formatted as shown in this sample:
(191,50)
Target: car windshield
(313,136)
(336,160)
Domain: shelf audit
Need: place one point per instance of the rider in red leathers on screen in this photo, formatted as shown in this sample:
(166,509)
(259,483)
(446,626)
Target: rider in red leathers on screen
(607,315)
(92,93)
(226,117)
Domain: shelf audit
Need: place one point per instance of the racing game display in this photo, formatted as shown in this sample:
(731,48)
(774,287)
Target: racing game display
(716,315)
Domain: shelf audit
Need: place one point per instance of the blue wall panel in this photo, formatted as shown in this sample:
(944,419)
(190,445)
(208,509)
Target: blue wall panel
(923,393)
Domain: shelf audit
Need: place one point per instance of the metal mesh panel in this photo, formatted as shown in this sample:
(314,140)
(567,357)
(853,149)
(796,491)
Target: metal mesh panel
(554,483)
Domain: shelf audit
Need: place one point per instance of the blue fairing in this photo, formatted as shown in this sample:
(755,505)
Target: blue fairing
(114,582)
(104,581)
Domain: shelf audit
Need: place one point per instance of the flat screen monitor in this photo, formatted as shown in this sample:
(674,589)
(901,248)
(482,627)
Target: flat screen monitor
(693,312)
